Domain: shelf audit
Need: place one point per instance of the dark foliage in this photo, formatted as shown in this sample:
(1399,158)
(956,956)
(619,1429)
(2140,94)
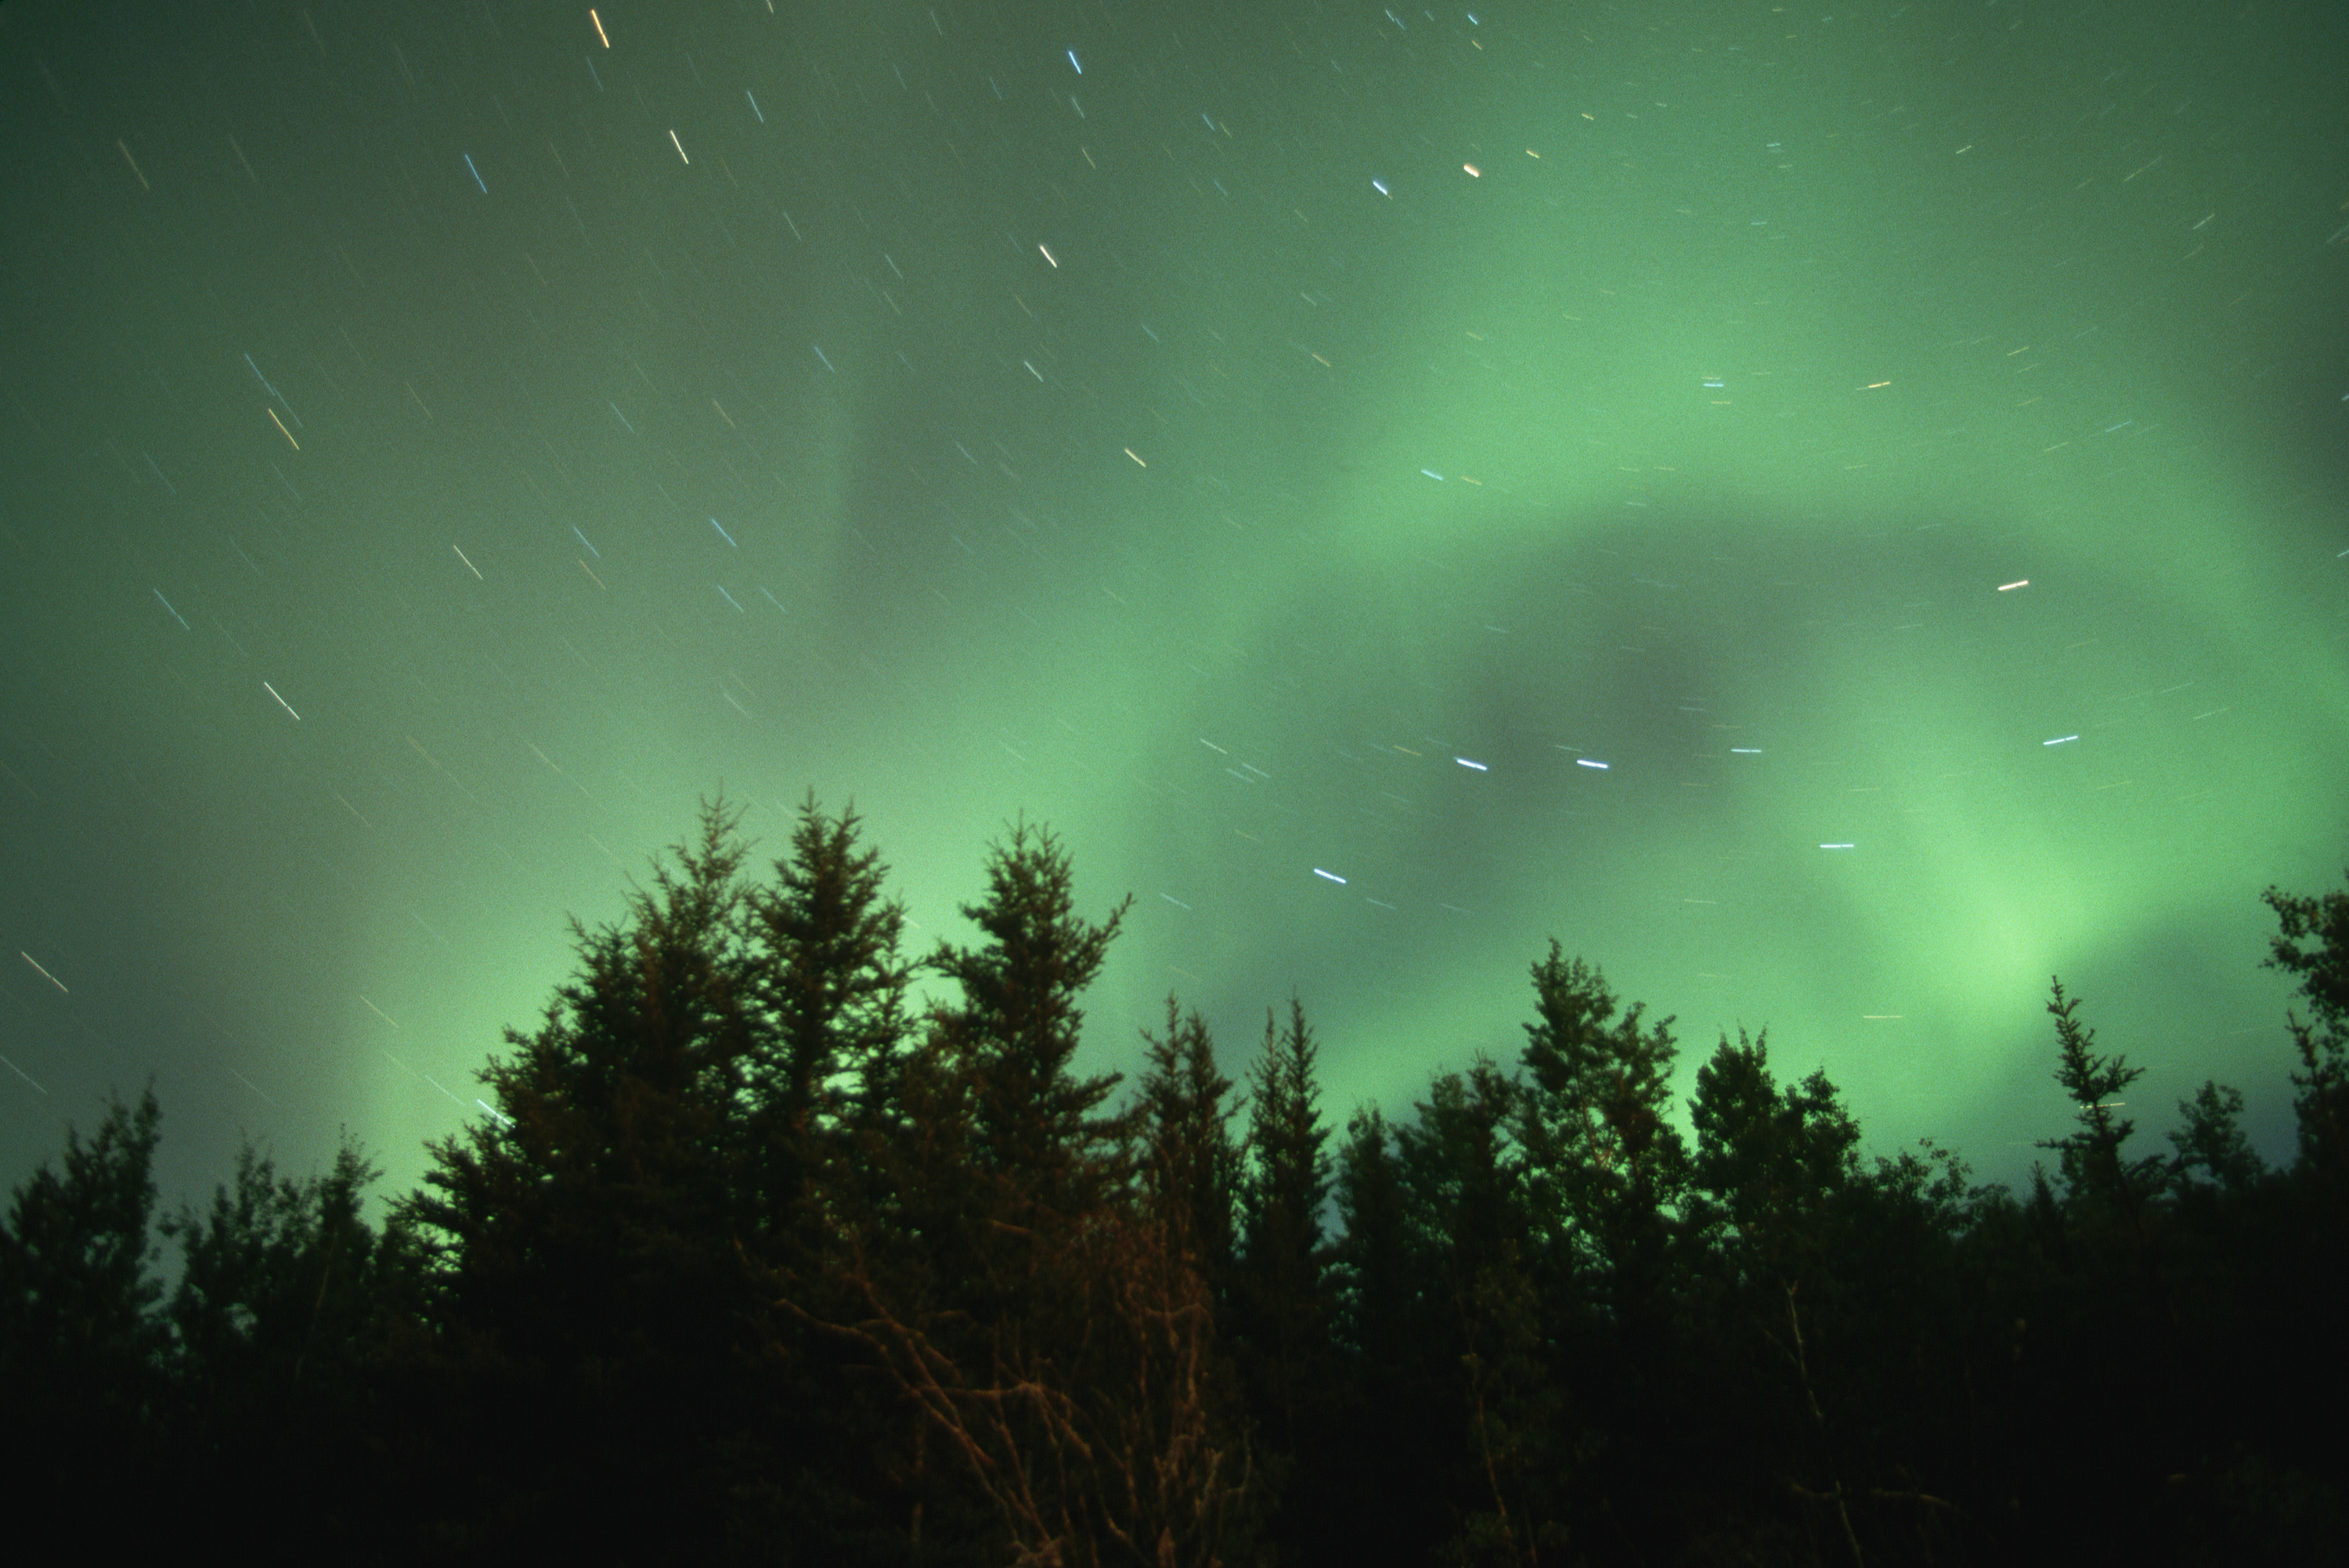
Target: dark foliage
(1279,1309)
(2313,945)
(82,1346)
(760,1258)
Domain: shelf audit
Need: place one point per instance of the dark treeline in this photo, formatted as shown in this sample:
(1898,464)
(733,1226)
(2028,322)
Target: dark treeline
(759,1259)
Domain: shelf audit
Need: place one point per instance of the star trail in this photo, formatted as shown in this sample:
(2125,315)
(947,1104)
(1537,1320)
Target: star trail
(1577,463)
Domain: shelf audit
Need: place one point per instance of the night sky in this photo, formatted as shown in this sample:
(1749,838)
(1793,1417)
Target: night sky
(1834,512)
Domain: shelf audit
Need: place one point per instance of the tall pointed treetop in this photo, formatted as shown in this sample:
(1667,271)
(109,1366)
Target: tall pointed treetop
(1018,1026)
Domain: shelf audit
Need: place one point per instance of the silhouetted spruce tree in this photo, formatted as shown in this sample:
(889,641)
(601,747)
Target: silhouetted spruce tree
(1189,1164)
(1604,1172)
(910,1225)
(1015,1288)
(2092,1373)
(1821,1317)
(80,1338)
(281,1318)
(1768,1164)
(1037,1160)
(2113,1188)
(1178,1399)
(2313,944)
(1465,1190)
(2250,1278)
(1888,1357)
(820,1096)
(2276,1467)
(1279,1308)
(1042,1150)
(1390,1430)
(1375,1264)
(2212,1146)
(1605,1167)
(588,1279)
(831,987)
(1768,1161)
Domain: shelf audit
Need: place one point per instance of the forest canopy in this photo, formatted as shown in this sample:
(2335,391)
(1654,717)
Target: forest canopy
(764,1255)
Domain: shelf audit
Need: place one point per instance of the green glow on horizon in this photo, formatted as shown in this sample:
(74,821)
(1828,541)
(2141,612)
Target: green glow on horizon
(1144,545)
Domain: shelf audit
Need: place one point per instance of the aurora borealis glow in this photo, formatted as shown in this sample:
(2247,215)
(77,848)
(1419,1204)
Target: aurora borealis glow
(1256,439)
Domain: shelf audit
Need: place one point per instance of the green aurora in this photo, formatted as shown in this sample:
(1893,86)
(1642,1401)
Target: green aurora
(1261,440)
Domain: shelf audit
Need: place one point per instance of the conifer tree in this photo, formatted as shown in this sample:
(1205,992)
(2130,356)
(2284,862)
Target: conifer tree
(1768,1160)
(1605,1167)
(2095,1173)
(77,1287)
(1392,1427)
(1375,1261)
(1280,1306)
(1006,1172)
(283,1318)
(1032,1300)
(79,1336)
(831,989)
(2313,944)
(604,1178)
(1015,1031)
(1189,1164)
(1465,1185)
(2084,1308)
(1176,1399)
(584,1233)
(279,1291)
(2210,1140)
(1769,1169)
(1462,1177)
(823,1097)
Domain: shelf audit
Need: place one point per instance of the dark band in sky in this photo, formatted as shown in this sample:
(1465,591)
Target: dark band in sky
(1836,518)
